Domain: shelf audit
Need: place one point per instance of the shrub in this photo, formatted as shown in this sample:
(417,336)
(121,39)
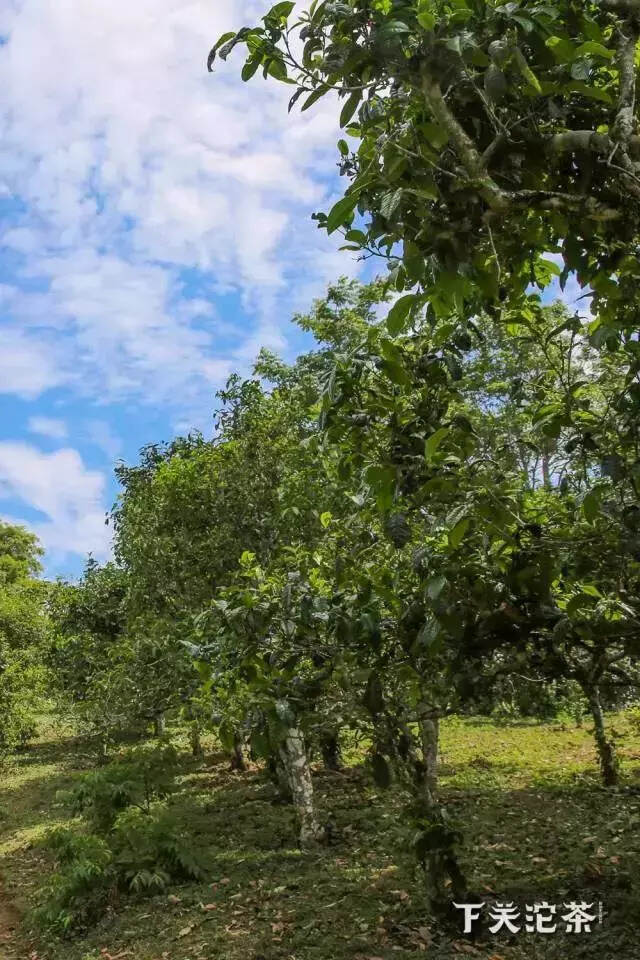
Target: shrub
(76,893)
(131,839)
(152,850)
(137,779)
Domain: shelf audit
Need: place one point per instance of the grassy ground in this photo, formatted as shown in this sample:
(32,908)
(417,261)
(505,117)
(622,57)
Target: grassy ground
(537,826)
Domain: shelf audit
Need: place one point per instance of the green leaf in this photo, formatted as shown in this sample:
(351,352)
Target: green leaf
(343,147)
(426,20)
(526,70)
(280,11)
(225,49)
(547,412)
(313,98)
(397,316)
(342,212)
(437,136)
(562,48)
(390,203)
(276,68)
(526,24)
(594,93)
(434,441)
(226,735)
(575,604)
(592,49)
(429,633)
(350,108)
(396,372)
(550,266)
(250,68)
(204,669)
(382,481)
(222,40)
(326,518)
(260,744)
(413,259)
(391,29)
(591,506)
(458,531)
(426,16)
(590,590)
(435,586)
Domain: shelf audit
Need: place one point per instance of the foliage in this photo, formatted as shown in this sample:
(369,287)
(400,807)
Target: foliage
(132,841)
(136,779)
(76,892)
(481,138)
(493,140)
(115,668)
(23,630)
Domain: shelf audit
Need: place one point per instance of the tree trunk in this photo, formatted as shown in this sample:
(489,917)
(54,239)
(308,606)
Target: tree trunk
(103,748)
(606,749)
(331,753)
(442,871)
(296,763)
(279,777)
(194,739)
(159,724)
(429,735)
(237,757)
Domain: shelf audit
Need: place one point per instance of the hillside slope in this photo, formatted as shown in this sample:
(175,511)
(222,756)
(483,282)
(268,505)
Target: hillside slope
(537,826)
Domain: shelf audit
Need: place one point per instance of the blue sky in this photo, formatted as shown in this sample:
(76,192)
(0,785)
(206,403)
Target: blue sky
(156,232)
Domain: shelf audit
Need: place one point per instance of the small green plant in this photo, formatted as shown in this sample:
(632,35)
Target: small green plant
(152,849)
(77,891)
(137,779)
(131,840)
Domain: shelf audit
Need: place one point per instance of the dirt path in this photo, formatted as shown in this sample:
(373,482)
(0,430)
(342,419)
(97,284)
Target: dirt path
(9,920)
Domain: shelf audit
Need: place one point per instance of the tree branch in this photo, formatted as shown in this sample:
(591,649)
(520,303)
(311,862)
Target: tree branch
(466,149)
(630,7)
(573,141)
(627,43)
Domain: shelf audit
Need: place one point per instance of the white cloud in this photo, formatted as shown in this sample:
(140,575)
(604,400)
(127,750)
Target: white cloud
(48,427)
(27,367)
(58,486)
(125,339)
(135,164)
(102,436)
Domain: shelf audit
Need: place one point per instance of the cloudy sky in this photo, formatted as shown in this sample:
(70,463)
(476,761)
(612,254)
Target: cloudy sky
(156,231)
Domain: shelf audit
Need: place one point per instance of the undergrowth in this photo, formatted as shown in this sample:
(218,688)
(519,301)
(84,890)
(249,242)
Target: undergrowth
(129,837)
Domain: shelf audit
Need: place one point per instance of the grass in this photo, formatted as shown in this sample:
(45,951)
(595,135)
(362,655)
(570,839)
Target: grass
(537,825)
